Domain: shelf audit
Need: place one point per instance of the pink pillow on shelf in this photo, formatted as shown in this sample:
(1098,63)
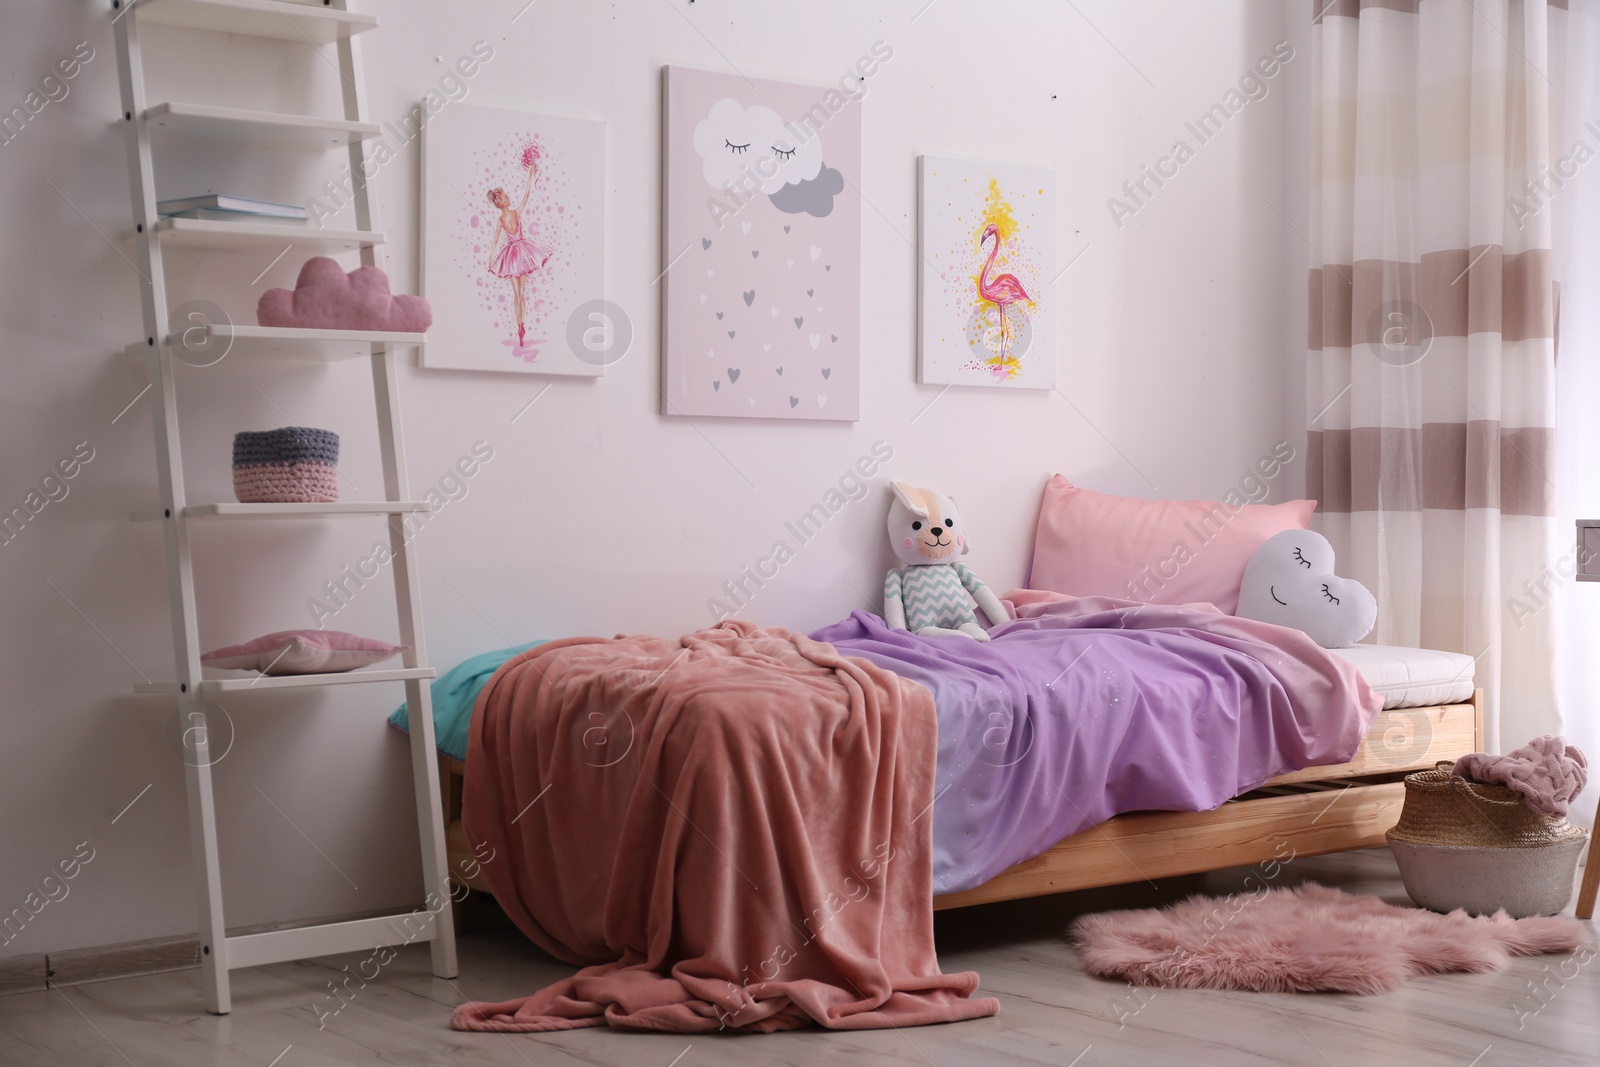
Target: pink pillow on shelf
(302,652)
(324,297)
(1158,551)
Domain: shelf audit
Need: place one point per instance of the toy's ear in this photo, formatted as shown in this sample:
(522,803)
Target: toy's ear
(910,497)
(966,542)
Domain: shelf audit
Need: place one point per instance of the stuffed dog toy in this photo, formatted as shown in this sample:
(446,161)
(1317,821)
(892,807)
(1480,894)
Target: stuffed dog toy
(1290,581)
(934,594)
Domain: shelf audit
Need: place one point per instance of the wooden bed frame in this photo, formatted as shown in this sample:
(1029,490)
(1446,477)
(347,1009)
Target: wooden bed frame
(1311,811)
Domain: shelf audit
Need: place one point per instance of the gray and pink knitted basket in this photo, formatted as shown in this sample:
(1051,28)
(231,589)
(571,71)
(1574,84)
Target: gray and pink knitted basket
(292,465)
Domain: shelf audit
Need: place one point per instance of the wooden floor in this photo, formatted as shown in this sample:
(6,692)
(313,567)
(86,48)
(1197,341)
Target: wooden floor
(1051,1012)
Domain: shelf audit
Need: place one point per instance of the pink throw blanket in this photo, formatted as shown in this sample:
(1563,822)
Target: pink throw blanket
(1547,771)
(733,830)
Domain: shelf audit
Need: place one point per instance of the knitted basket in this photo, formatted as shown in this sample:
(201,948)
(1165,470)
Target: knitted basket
(292,465)
(1464,844)
(1443,808)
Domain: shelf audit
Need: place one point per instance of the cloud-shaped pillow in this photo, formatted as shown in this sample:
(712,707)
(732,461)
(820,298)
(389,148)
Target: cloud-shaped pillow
(326,298)
(1290,582)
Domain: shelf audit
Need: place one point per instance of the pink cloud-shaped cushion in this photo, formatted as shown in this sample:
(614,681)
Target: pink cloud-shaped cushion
(326,298)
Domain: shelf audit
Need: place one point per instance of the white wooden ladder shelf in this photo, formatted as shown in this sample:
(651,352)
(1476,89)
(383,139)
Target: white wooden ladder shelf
(312,25)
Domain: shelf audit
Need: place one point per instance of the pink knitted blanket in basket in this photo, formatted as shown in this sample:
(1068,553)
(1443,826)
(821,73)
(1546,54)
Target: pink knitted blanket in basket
(1547,771)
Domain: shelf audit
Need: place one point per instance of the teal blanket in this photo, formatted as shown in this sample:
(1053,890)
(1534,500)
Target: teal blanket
(454,693)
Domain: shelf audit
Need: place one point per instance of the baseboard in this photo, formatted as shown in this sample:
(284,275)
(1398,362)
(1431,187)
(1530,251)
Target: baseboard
(126,960)
(23,974)
(129,959)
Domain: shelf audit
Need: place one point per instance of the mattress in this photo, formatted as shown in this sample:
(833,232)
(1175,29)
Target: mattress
(1403,677)
(1412,677)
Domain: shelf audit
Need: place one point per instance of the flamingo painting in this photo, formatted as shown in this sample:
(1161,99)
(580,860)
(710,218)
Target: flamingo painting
(987,232)
(1001,291)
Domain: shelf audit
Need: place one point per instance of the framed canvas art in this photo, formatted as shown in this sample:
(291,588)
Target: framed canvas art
(761,310)
(987,232)
(513,237)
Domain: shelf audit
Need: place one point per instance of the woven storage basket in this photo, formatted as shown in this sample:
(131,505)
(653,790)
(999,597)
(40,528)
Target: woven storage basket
(1463,844)
(292,465)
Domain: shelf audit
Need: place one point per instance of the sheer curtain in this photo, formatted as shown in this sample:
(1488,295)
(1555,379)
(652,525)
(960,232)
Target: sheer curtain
(1573,199)
(1431,400)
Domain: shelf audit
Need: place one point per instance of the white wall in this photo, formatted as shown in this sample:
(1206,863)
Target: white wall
(596,514)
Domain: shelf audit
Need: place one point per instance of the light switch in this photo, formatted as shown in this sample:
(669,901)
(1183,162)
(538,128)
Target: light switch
(1589,550)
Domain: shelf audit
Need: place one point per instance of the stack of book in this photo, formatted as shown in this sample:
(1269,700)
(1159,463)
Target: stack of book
(214,207)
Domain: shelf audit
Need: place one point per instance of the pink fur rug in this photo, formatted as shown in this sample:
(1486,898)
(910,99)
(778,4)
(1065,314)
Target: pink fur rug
(1306,939)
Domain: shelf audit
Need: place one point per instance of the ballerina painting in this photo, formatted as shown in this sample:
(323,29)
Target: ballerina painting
(513,239)
(988,234)
(519,256)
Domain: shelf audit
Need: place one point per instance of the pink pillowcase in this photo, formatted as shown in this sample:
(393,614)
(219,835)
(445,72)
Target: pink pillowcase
(302,652)
(1157,551)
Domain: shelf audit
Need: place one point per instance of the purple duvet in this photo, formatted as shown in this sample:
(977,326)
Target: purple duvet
(1085,708)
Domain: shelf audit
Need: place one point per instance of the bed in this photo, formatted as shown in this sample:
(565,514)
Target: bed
(1430,712)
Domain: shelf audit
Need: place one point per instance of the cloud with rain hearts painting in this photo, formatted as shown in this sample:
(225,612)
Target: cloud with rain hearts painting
(762,259)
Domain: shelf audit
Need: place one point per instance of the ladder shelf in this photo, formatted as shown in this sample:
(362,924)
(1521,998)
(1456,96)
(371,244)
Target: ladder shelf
(165,346)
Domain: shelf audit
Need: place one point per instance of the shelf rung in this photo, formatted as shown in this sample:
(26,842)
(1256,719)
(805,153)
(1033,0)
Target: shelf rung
(330,939)
(234,510)
(258,18)
(209,343)
(204,233)
(286,681)
(268,127)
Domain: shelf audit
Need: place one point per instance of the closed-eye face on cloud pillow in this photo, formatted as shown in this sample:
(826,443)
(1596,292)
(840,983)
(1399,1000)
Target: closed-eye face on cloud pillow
(324,297)
(1290,582)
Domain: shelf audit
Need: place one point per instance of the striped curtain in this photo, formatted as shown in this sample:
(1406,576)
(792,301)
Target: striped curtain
(1574,201)
(1430,399)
